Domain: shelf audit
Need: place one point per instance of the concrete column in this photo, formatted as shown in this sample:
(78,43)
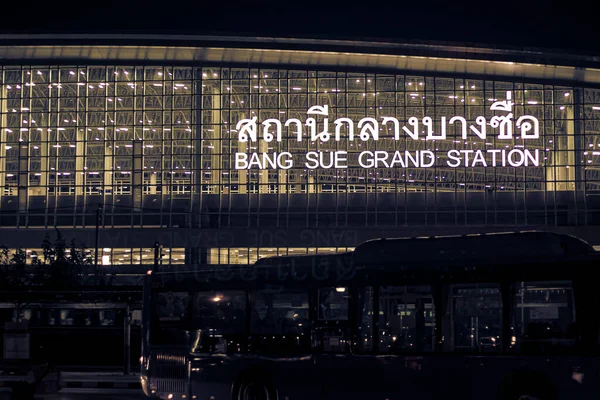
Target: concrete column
(579,145)
(79,162)
(153,184)
(137,174)
(242,173)
(44,148)
(563,158)
(570,169)
(3,122)
(197,146)
(282,180)
(44,163)
(108,169)
(311,187)
(263,175)
(23,174)
(214,138)
(23,182)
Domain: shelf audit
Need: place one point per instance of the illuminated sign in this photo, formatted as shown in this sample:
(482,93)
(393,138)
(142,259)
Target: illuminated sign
(367,129)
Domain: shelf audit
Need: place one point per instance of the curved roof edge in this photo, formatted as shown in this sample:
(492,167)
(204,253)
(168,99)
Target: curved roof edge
(537,65)
(372,46)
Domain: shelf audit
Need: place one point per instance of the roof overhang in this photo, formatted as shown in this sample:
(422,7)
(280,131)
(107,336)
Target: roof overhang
(523,65)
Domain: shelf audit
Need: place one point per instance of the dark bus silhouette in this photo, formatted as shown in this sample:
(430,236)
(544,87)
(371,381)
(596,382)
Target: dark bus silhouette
(495,316)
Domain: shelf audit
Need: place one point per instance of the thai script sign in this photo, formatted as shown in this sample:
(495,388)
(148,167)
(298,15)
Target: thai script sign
(367,129)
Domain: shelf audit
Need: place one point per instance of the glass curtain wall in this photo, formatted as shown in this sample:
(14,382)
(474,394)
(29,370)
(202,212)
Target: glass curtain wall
(155,147)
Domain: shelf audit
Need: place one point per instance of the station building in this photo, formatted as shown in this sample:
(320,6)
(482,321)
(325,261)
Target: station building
(228,149)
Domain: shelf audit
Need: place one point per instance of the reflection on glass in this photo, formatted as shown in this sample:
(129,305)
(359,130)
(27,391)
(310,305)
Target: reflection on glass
(333,303)
(280,313)
(544,317)
(222,312)
(241,255)
(477,317)
(406,319)
(365,328)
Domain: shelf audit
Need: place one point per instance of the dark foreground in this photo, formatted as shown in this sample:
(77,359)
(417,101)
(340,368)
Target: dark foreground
(94,396)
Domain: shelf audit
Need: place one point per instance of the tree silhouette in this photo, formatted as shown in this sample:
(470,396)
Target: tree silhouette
(58,268)
(4,262)
(14,268)
(48,250)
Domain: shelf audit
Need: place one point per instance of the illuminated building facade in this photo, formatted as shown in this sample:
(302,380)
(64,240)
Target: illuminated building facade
(144,131)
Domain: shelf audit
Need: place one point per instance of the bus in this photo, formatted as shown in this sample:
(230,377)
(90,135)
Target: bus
(510,316)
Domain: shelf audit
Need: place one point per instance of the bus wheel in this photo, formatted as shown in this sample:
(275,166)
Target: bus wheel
(255,390)
(527,397)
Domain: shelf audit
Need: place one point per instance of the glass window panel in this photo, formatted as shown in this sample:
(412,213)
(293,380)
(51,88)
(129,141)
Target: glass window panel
(543,317)
(406,319)
(280,313)
(364,340)
(333,304)
(220,312)
(473,322)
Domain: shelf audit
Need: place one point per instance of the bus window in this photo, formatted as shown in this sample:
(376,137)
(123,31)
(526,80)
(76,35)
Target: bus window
(333,304)
(109,318)
(66,317)
(475,317)
(280,313)
(365,326)
(172,306)
(406,319)
(51,316)
(543,317)
(169,317)
(221,312)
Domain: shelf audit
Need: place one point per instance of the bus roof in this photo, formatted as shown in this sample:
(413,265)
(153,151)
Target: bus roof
(532,244)
(518,255)
(305,260)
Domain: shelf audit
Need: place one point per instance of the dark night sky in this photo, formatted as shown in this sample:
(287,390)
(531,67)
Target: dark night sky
(570,25)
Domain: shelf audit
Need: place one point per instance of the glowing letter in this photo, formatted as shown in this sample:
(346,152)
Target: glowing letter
(451,155)
(241,161)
